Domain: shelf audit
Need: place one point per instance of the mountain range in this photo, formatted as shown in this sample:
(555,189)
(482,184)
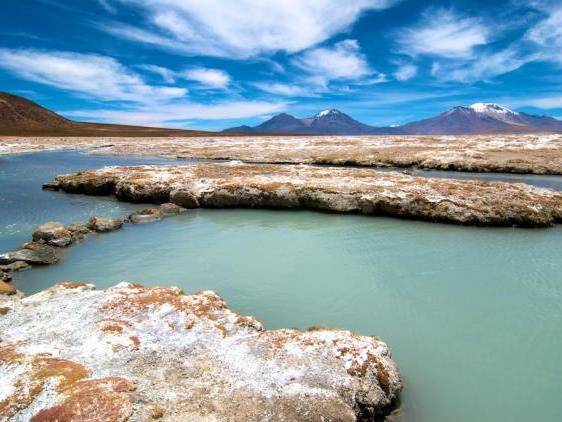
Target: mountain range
(20,116)
(479,118)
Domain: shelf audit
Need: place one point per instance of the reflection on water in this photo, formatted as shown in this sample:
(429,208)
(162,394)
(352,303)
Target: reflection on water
(472,315)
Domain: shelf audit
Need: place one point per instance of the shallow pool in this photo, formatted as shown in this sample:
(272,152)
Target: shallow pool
(473,315)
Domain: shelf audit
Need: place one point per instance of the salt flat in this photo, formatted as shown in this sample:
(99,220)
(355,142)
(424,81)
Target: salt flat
(532,154)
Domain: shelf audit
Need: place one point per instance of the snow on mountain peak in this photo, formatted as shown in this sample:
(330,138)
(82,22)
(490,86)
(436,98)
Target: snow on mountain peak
(491,108)
(327,112)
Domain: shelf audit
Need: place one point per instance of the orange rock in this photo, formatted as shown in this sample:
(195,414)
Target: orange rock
(6,289)
(96,400)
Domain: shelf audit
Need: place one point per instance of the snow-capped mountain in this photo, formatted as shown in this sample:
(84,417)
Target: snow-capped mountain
(491,108)
(327,122)
(482,118)
(478,118)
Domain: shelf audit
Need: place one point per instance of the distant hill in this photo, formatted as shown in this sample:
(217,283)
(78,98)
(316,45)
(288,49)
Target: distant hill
(479,118)
(20,117)
(19,112)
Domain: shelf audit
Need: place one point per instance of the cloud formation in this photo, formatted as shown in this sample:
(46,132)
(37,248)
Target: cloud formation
(103,78)
(343,61)
(444,33)
(167,115)
(90,75)
(241,29)
(406,71)
(207,78)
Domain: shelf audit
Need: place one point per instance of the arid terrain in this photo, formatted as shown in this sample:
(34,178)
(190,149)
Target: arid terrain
(355,190)
(533,154)
(142,353)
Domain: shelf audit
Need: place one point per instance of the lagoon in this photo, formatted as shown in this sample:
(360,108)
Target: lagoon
(472,315)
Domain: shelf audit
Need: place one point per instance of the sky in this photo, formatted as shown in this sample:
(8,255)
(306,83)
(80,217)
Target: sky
(214,64)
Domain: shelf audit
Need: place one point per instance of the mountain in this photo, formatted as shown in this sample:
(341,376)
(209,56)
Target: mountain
(479,118)
(327,122)
(482,118)
(22,117)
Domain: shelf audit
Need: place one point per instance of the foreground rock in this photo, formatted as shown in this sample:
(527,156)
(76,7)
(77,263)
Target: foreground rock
(148,215)
(33,253)
(355,190)
(53,233)
(538,154)
(103,224)
(133,352)
(6,289)
(169,209)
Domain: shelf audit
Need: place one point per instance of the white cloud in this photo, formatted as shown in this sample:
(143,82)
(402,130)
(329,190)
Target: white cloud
(288,90)
(209,78)
(166,115)
(406,71)
(485,67)
(547,35)
(443,33)
(87,74)
(107,6)
(544,103)
(343,61)
(205,77)
(167,75)
(241,29)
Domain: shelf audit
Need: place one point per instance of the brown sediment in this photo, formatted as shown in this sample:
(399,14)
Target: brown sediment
(344,190)
(143,352)
(529,153)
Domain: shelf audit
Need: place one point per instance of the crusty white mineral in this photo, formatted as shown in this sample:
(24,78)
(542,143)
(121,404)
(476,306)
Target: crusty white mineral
(538,154)
(365,191)
(139,353)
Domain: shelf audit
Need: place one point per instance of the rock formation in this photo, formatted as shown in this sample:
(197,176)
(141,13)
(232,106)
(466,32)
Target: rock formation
(355,190)
(141,353)
(53,233)
(50,236)
(103,224)
(32,253)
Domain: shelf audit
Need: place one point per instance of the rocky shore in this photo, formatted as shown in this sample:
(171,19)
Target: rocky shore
(141,353)
(534,154)
(52,236)
(355,190)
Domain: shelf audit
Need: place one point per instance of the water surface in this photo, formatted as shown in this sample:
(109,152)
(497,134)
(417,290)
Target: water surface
(23,205)
(473,315)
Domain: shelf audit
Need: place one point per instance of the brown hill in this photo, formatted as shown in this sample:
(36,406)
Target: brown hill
(18,112)
(22,117)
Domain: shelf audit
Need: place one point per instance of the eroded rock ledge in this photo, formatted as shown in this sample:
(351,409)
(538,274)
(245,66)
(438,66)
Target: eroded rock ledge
(136,353)
(356,190)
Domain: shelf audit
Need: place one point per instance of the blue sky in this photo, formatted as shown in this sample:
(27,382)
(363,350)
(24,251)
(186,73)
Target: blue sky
(218,63)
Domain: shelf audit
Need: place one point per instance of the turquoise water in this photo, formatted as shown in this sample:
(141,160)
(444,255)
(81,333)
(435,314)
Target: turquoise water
(23,205)
(473,315)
